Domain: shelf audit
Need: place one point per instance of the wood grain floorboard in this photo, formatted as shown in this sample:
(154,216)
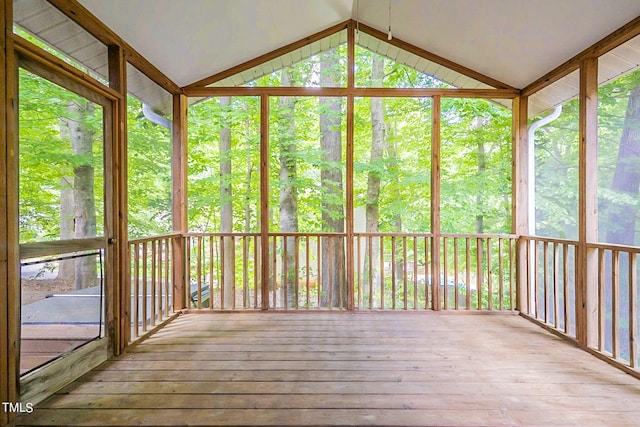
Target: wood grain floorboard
(336,368)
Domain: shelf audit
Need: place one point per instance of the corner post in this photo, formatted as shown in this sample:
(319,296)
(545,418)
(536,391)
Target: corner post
(435,204)
(587,283)
(9,246)
(519,198)
(119,214)
(179,179)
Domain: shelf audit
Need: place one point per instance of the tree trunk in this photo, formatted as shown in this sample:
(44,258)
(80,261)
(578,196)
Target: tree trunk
(288,189)
(226,211)
(66,268)
(84,210)
(622,219)
(373,178)
(334,285)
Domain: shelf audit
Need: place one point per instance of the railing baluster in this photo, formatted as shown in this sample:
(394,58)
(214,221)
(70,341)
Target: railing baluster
(500,275)
(615,297)
(393,272)
(382,272)
(144,287)
(489,275)
(479,271)
(556,296)
(415,273)
(359,271)
(152,319)
(467,260)
(136,287)
(445,278)
(545,279)
(274,271)
(307,268)
(371,262)
(319,270)
(456,294)
(601,301)
(245,272)
(285,272)
(427,272)
(297,270)
(512,275)
(565,287)
(633,311)
(404,270)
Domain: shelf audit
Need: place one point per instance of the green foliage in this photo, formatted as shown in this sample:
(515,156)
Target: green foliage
(46,155)
(149,174)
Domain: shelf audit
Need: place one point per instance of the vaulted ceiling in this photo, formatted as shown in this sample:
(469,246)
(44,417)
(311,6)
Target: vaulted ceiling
(514,41)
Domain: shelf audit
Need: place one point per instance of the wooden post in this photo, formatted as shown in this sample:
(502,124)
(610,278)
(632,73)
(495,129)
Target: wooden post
(519,198)
(179,178)
(9,243)
(349,172)
(264,200)
(435,204)
(587,281)
(119,250)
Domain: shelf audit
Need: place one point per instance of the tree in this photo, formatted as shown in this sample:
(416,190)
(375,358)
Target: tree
(75,126)
(333,257)
(374,175)
(226,206)
(288,186)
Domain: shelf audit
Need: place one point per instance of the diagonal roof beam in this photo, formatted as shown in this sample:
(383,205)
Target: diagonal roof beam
(434,58)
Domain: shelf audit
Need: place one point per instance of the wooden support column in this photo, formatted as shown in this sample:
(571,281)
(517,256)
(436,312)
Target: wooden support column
(519,198)
(587,282)
(265,272)
(435,204)
(179,178)
(349,171)
(119,246)
(9,244)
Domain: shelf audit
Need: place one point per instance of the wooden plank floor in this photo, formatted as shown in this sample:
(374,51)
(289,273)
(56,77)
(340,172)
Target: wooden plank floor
(348,369)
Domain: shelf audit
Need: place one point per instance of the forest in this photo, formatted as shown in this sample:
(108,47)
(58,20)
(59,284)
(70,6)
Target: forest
(61,168)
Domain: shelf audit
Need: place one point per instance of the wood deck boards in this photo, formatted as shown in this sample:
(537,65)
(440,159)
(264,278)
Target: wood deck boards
(348,369)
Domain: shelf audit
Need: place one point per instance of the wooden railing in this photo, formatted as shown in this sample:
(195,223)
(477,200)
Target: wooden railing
(616,334)
(551,283)
(151,283)
(390,271)
(612,313)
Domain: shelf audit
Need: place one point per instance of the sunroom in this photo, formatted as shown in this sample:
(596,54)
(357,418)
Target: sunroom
(232,213)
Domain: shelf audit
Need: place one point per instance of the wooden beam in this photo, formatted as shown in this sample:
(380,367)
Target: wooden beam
(587,283)
(435,203)
(520,191)
(613,40)
(33,54)
(346,91)
(264,201)
(80,15)
(434,58)
(179,179)
(122,294)
(269,56)
(8,352)
(349,196)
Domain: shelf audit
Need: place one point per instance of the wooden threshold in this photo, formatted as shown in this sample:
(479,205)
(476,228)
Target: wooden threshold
(339,368)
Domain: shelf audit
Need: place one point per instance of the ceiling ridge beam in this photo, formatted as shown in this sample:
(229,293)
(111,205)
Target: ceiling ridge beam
(429,56)
(269,56)
(81,16)
(599,48)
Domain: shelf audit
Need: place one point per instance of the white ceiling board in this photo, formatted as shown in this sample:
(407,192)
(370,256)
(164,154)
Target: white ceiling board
(514,41)
(192,39)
